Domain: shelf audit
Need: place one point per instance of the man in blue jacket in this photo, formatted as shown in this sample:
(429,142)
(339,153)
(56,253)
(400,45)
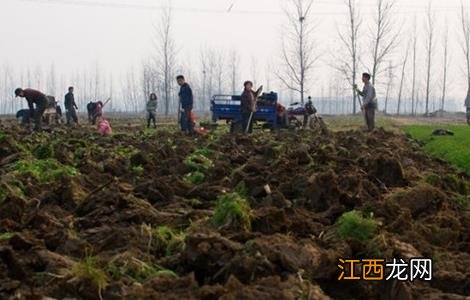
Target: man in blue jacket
(186,100)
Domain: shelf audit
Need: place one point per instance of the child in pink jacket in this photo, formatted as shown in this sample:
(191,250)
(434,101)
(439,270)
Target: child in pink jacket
(104,127)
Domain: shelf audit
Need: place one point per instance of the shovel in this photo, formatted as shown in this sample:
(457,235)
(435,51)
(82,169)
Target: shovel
(249,123)
(257,93)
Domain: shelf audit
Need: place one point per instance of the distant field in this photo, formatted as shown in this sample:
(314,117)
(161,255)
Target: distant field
(455,149)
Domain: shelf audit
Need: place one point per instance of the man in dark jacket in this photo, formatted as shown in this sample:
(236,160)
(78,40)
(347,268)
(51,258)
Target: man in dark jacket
(90,107)
(34,97)
(187,101)
(70,107)
(309,110)
(248,106)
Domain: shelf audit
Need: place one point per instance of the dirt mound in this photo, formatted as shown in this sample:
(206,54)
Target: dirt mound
(141,215)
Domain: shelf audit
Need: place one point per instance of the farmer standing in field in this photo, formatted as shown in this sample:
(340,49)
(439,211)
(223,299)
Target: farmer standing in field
(152,106)
(309,110)
(34,97)
(248,106)
(369,104)
(90,107)
(186,100)
(70,107)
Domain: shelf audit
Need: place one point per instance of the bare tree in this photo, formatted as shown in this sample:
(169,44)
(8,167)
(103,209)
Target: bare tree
(254,68)
(28,77)
(150,79)
(37,77)
(385,37)
(234,70)
(97,82)
(220,71)
(111,92)
(298,47)
(268,76)
(5,79)
(147,78)
(133,100)
(402,80)
(389,85)
(51,81)
(413,84)
(348,64)
(208,68)
(445,45)
(166,54)
(429,52)
(465,43)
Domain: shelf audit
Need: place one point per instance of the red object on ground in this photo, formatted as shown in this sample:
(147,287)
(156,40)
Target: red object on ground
(104,127)
(202,130)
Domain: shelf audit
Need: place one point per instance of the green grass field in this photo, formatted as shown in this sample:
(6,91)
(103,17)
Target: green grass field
(455,149)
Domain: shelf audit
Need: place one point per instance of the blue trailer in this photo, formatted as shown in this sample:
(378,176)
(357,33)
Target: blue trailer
(227,108)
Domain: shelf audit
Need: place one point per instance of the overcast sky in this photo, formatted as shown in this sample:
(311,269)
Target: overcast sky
(117,33)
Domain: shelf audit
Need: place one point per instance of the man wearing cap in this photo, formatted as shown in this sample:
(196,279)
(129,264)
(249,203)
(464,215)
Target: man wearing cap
(34,97)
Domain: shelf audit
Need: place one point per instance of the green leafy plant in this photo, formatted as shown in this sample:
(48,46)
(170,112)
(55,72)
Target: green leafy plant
(44,151)
(232,211)
(204,151)
(11,188)
(241,189)
(79,153)
(195,177)
(87,269)
(169,241)
(139,170)
(44,170)
(193,202)
(3,136)
(137,270)
(463,202)
(353,225)
(6,236)
(125,152)
(199,160)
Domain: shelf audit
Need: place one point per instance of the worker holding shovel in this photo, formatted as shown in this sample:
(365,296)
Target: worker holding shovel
(248,106)
(369,104)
